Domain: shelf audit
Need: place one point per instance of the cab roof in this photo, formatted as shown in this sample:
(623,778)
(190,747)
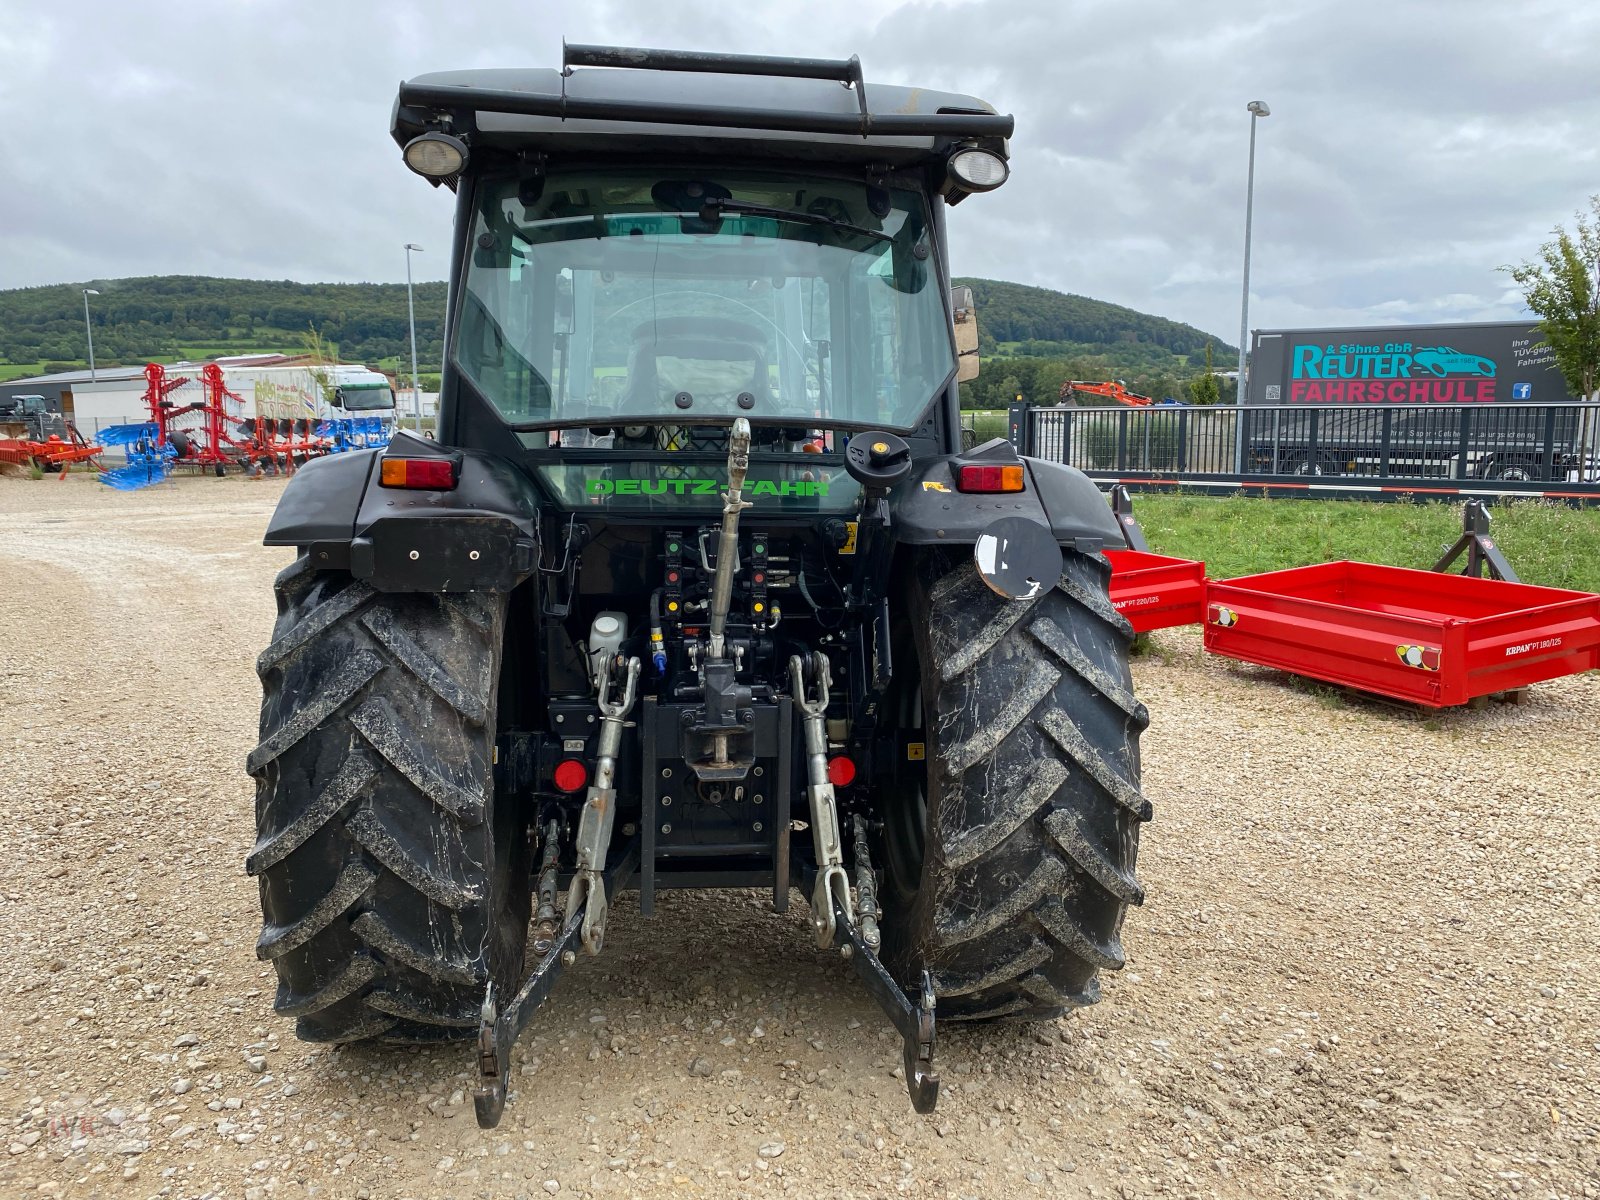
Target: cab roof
(613,99)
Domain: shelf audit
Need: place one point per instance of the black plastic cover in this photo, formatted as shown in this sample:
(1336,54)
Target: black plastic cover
(321,501)
(928,510)
(479,536)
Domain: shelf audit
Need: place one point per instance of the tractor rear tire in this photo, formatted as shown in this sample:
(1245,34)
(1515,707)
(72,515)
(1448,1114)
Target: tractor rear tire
(393,887)
(1009,868)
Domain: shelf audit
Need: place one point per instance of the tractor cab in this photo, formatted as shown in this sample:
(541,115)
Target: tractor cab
(760,239)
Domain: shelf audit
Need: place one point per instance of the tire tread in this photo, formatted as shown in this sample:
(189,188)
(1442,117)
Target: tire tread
(1034,805)
(375,846)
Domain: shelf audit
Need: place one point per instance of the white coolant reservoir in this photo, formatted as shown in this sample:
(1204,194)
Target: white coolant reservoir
(606,635)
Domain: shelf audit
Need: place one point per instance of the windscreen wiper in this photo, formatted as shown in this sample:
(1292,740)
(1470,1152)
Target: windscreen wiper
(716,207)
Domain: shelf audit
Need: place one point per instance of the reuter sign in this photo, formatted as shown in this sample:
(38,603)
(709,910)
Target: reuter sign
(1442,364)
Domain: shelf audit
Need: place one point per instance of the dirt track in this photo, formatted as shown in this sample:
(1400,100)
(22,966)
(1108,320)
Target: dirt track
(1368,964)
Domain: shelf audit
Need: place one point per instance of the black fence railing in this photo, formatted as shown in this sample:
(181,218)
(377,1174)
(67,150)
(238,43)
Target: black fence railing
(1511,448)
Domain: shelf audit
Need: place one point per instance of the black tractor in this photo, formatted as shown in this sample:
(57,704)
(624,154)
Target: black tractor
(696,586)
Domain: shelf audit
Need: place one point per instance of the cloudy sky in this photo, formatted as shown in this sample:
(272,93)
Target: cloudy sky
(1413,146)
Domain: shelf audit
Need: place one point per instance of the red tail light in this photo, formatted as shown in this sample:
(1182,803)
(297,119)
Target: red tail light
(841,771)
(432,474)
(571,775)
(986,478)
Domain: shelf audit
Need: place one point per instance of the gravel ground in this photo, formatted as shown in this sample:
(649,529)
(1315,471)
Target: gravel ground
(1367,965)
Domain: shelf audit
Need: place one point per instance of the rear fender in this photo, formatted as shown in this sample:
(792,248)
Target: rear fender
(929,511)
(480,536)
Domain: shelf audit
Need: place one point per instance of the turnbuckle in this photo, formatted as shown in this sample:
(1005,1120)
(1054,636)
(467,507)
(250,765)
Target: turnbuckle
(545,918)
(867,910)
(588,890)
(832,885)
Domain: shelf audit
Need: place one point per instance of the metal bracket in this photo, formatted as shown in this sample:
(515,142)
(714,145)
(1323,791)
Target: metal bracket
(498,1030)
(587,892)
(1481,550)
(914,1021)
(831,878)
(1122,510)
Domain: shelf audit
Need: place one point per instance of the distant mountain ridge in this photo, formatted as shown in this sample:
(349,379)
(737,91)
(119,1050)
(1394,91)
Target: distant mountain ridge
(1031,334)
(199,316)
(1022,319)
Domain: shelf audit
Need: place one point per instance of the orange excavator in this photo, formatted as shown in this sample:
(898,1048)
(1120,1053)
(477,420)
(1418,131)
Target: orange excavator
(1111,389)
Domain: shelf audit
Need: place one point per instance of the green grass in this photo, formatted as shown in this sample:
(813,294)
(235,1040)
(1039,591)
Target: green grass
(229,349)
(1547,543)
(10,371)
(986,422)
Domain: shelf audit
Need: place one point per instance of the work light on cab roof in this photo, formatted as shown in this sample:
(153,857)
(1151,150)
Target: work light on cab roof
(436,156)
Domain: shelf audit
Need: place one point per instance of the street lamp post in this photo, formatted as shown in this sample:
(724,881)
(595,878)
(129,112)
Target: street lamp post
(411,309)
(1256,108)
(89,329)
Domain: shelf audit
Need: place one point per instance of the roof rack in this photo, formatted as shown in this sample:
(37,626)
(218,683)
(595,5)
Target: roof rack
(846,71)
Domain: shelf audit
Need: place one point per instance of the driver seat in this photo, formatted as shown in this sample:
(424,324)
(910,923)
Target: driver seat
(713,359)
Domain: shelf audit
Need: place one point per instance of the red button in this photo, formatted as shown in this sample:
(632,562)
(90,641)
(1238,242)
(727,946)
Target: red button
(841,771)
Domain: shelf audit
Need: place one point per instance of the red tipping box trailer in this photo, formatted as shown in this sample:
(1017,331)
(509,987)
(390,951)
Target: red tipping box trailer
(1154,591)
(1429,638)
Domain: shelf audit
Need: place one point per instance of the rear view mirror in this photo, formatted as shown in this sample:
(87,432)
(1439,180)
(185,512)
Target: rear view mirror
(964,311)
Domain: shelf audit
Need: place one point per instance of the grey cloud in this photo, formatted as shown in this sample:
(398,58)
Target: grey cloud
(1413,147)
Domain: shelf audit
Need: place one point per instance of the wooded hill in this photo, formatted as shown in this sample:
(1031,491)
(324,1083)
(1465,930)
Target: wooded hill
(195,316)
(1031,338)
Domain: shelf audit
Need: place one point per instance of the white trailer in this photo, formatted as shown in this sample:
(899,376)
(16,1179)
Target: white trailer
(319,393)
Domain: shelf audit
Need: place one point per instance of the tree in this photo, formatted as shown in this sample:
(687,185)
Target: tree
(321,354)
(1558,287)
(1203,389)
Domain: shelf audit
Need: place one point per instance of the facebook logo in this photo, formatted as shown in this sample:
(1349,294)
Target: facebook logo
(1522,391)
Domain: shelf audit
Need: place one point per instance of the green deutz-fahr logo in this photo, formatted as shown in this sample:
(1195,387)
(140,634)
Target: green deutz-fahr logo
(704,487)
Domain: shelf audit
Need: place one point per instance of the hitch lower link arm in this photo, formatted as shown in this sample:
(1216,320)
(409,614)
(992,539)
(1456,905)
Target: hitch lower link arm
(832,882)
(588,890)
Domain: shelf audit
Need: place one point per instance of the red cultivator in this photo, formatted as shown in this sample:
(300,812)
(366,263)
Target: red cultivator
(54,453)
(199,431)
(282,443)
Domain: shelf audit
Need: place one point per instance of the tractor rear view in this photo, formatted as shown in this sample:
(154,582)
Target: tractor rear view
(696,587)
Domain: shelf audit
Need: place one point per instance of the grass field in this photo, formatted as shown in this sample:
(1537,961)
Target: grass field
(1549,544)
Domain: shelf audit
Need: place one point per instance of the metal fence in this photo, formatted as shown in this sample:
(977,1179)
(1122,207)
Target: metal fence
(1510,448)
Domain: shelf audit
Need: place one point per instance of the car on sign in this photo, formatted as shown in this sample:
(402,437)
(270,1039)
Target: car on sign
(1442,361)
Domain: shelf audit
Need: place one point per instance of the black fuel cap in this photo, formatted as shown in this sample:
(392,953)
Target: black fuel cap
(877,460)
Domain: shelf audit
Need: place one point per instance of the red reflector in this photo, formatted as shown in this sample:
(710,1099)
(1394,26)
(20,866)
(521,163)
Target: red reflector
(432,474)
(841,771)
(571,775)
(985,478)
